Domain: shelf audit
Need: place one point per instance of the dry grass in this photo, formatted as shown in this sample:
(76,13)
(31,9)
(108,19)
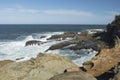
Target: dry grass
(117,42)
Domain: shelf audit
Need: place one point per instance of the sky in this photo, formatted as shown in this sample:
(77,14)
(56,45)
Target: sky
(58,11)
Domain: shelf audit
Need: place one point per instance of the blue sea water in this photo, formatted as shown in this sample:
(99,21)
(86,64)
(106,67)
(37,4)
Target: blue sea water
(14,37)
(13,31)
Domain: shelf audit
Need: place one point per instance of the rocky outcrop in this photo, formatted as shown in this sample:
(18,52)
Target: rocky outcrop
(103,63)
(73,76)
(113,30)
(97,45)
(59,45)
(63,36)
(81,41)
(114,27)
(41,68)
(112,74)
(107,59)
(5,62)
(32,42)
(106,65)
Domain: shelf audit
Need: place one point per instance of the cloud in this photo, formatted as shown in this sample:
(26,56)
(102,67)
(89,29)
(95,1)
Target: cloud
(23,15)
(18,10)
(68,12)
(7,10)
(50,11)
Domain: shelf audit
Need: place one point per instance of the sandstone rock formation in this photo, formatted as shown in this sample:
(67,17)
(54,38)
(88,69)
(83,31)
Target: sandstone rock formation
(103,62)
(41,68)
(104,65)
(73,76)
(5,62)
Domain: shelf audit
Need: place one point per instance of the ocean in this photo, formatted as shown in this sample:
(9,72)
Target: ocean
(14,37)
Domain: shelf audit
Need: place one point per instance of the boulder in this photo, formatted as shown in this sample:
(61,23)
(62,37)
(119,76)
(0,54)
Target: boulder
(42,67)
(79,75)
(42,36)
(32,42)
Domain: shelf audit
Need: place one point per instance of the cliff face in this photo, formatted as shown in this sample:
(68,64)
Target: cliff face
(106,65)
(113,30)
(114,27)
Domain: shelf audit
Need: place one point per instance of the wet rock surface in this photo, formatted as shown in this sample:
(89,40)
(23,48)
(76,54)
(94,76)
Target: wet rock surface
(81,41)
(63,36)
(32,42)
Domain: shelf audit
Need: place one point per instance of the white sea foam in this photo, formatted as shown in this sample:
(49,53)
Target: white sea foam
(91,31)
(16,50)
(78,57)
(80,61)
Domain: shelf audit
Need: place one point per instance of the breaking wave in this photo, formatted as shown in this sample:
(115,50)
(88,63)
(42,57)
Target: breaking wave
(16,50)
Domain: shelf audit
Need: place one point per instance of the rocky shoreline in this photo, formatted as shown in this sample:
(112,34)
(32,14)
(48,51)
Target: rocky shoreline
(104,66)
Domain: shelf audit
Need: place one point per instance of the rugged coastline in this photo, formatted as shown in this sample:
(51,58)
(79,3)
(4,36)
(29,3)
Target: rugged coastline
(104,66)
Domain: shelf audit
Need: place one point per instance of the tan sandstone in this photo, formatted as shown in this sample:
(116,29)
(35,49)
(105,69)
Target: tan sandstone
(41,68)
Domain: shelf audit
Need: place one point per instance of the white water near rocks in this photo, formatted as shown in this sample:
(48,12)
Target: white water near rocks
(78,57)
(16,50)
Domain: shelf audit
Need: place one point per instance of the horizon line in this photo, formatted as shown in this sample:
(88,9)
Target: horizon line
(50,24)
